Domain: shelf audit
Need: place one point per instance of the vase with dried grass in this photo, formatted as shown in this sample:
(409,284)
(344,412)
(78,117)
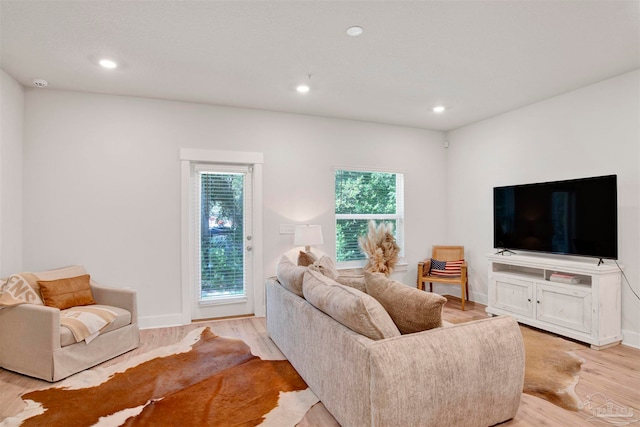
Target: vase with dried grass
(380,247)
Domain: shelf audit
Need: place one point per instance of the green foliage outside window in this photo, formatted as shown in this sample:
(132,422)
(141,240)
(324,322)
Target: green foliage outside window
(359,195)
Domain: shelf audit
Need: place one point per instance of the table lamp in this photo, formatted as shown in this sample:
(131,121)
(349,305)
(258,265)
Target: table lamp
(307,236)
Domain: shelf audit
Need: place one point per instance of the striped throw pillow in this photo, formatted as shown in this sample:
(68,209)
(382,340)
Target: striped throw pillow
(445,268)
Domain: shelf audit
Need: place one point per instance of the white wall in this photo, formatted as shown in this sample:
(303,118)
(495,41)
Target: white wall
(102,179)
(588,132)
(11,124)
(102,183)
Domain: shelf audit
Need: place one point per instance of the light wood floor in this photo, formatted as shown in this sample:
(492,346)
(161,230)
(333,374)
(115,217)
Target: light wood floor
(614,372)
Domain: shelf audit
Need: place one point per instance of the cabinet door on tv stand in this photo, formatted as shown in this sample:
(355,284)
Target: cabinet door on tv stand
(513,295)
(569,308)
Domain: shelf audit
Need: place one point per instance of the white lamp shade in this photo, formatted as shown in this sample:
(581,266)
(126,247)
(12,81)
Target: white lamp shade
(308,235)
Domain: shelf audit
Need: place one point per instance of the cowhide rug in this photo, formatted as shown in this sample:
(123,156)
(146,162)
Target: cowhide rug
(552,369)
(204,380)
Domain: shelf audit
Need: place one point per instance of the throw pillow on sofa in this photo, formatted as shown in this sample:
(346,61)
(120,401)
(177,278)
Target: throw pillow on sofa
(354,309)
(354,281)
(290,275)
(326,266)
(411,309)
(68,292)
(305,259)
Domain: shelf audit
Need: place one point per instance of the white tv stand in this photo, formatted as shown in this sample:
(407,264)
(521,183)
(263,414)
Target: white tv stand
(587,311)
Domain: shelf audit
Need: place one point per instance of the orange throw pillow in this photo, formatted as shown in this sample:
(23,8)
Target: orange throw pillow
(66,293)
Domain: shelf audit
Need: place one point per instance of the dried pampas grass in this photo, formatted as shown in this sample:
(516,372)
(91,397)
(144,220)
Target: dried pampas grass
(380,247)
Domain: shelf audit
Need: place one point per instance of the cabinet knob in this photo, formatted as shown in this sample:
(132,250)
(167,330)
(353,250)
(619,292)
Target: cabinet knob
(529,299)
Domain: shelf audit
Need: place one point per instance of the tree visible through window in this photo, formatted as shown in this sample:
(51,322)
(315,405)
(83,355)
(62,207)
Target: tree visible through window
(363,196)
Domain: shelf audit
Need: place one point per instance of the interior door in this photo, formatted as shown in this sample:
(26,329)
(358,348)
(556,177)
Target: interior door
(222,241)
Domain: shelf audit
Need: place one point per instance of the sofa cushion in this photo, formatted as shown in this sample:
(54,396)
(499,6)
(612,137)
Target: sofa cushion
(348,306)
(326,266)
(123,318)
(66,293)
(354,281)
(305,259)
(411,309)
(290,275)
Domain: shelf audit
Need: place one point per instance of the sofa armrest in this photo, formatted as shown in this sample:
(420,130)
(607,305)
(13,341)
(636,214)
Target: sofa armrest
(36,326)
(476,368)
(331,358)
(116,297)
(29,335)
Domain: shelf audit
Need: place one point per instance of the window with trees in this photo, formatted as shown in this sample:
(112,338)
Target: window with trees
(362,196)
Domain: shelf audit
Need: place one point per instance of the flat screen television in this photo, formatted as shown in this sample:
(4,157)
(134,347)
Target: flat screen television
(574,217)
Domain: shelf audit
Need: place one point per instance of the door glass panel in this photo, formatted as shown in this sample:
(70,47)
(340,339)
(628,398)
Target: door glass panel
(222,235)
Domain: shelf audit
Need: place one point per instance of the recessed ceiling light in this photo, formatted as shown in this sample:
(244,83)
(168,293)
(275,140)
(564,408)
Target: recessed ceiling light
(355,31)
(438,109)
(303,88)
(107,63)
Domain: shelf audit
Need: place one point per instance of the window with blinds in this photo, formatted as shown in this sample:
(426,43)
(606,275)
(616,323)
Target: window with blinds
(221,217)
(362,196)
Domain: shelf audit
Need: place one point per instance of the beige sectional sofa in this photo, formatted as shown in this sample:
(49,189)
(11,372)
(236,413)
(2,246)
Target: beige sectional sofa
(462,375)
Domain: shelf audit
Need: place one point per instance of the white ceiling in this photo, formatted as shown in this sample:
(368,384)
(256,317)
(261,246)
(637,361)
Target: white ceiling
(478,58)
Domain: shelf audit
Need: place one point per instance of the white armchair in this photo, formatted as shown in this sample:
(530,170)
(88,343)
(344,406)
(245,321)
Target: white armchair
(32,341)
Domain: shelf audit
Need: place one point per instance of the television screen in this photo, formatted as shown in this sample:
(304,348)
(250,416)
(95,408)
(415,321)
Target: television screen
(573,217)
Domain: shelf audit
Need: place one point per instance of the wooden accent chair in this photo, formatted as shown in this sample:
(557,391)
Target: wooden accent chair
(445,253)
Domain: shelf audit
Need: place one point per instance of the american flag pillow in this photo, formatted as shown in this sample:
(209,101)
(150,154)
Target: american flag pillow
(445,268)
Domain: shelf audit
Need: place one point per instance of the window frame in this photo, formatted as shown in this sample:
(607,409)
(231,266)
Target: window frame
(399,216)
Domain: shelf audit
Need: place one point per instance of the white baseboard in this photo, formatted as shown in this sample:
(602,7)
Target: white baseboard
(479,298)
(631,338)
(455,291)
(164,321)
